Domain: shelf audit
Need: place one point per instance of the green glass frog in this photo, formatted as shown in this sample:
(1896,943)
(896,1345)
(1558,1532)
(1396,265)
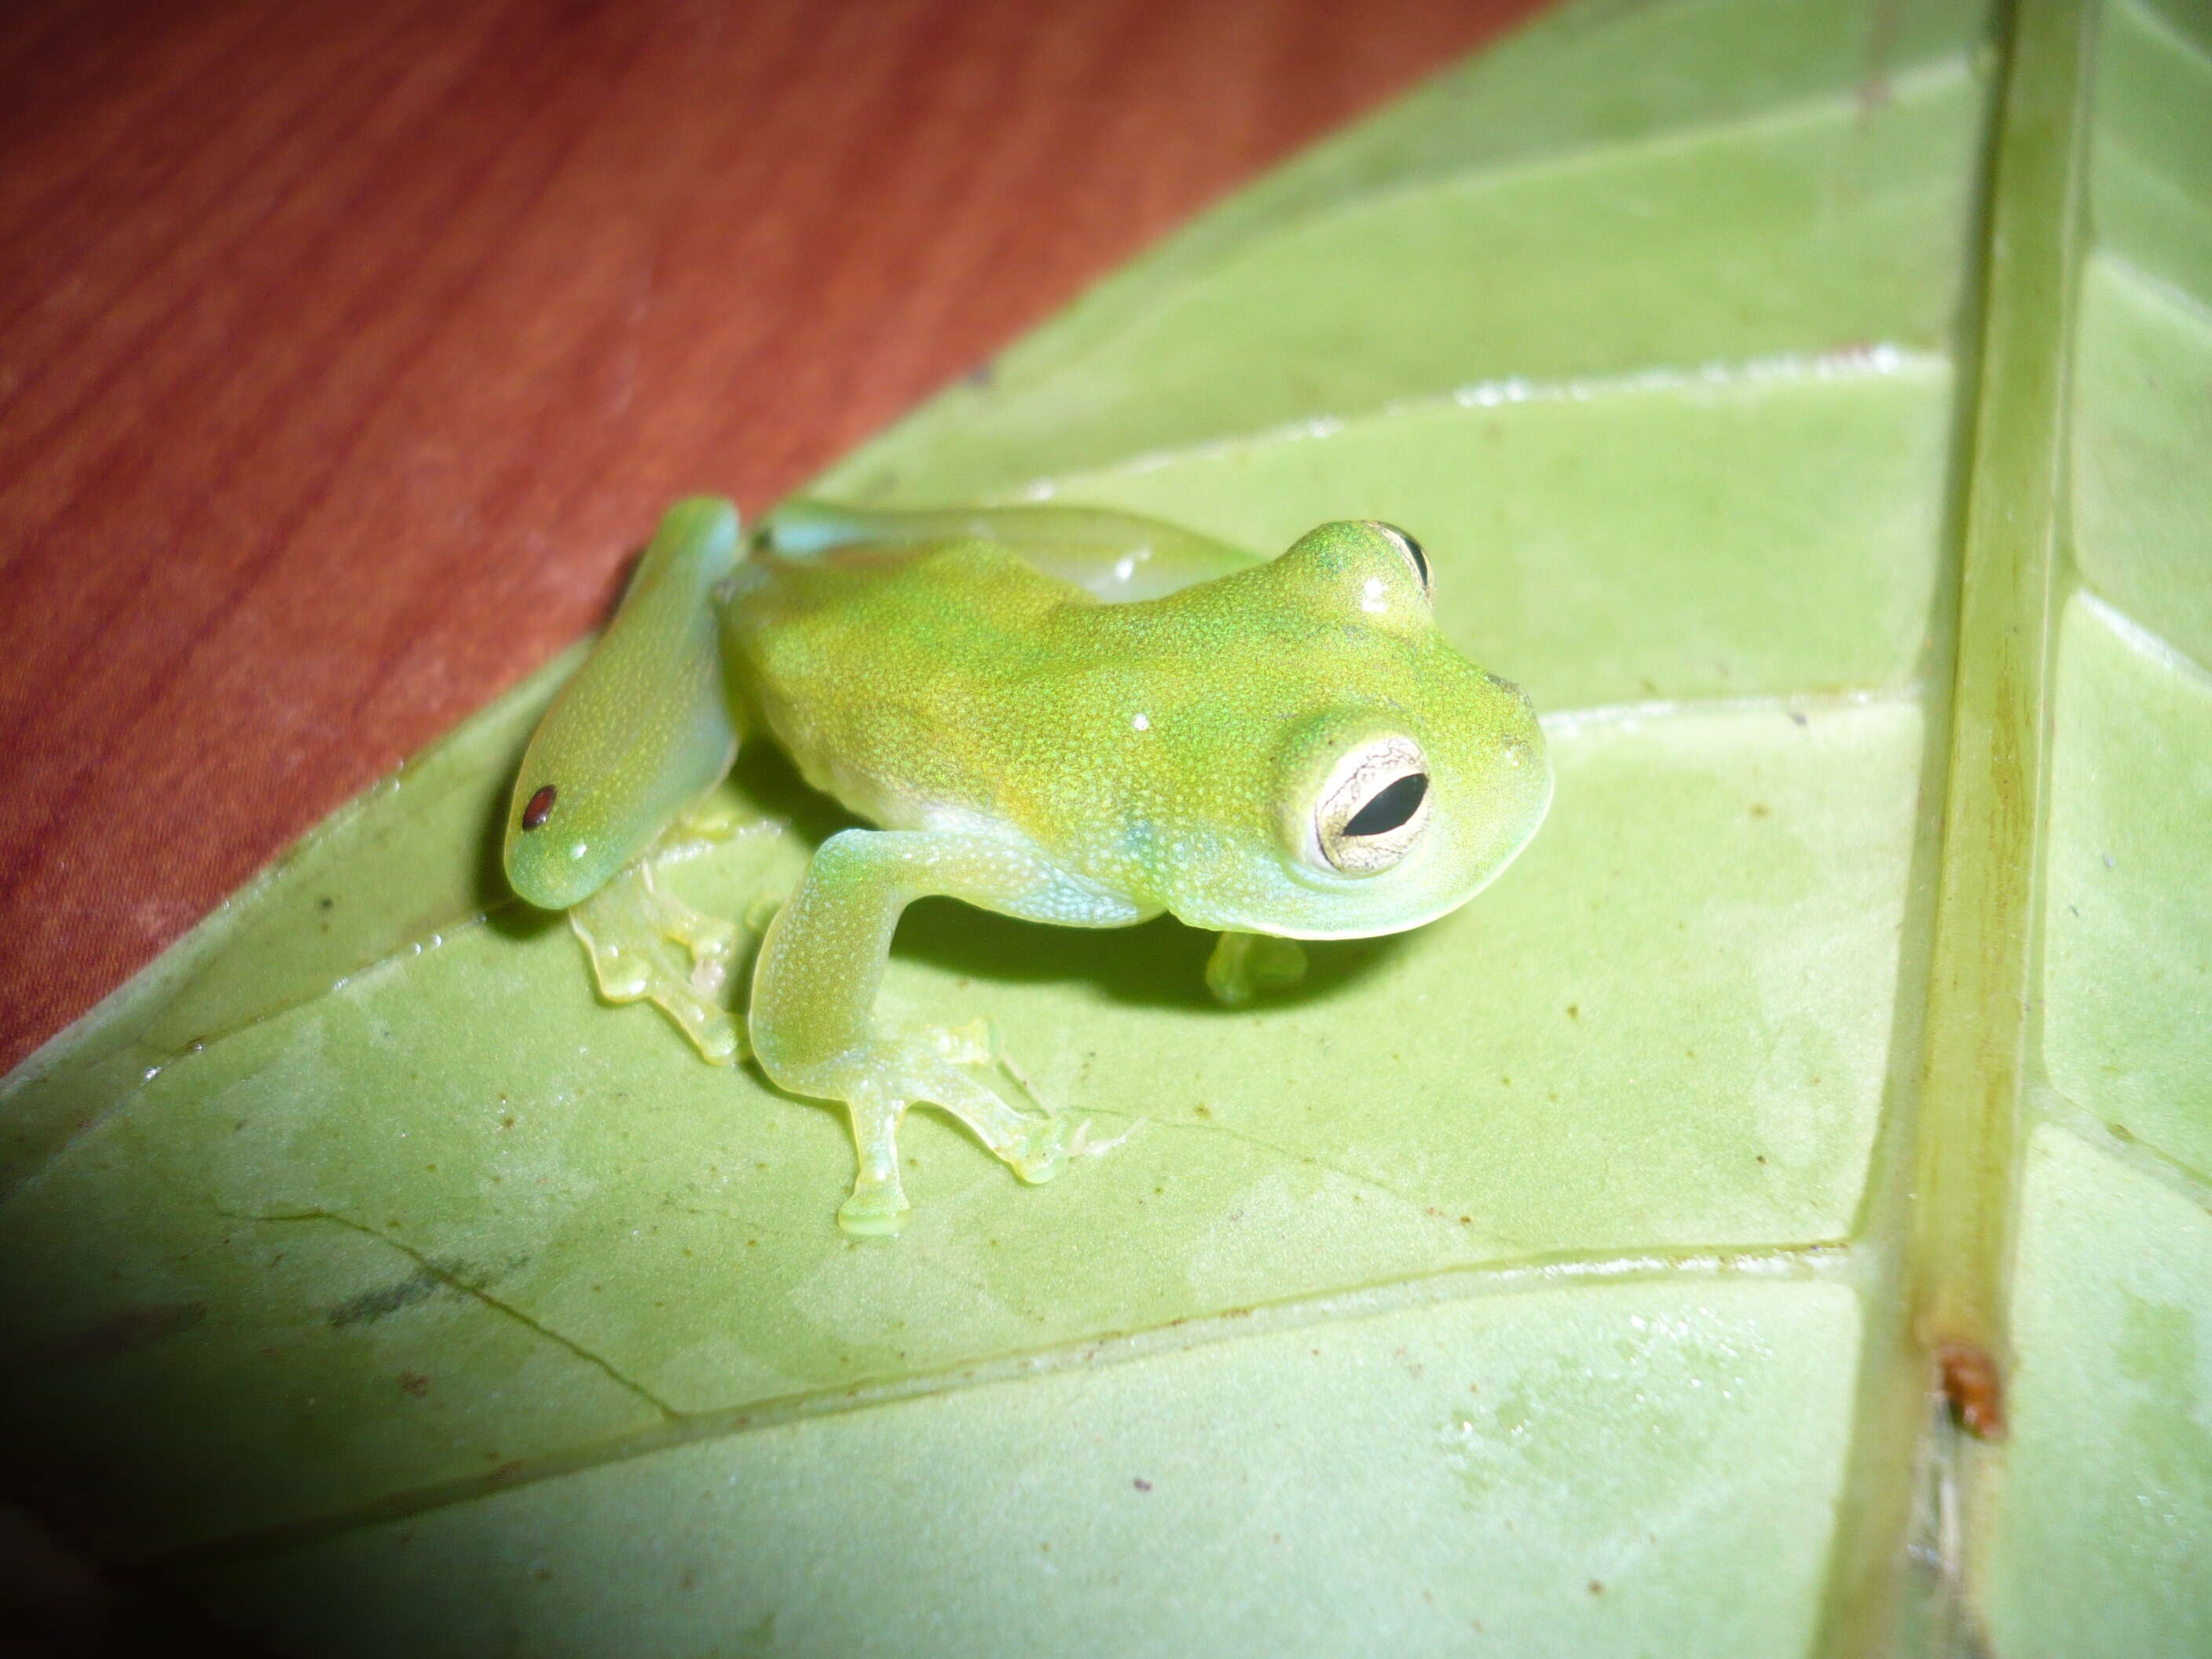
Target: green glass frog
(1068,715)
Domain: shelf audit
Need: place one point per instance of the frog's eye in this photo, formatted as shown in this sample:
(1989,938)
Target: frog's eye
(1410,550)
(540,808)
(1373,807)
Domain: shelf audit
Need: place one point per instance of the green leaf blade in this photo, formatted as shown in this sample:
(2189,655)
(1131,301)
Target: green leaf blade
(1519,1279)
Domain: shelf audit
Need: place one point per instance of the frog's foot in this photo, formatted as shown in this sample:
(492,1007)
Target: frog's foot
(947,1067)
(644,942)
(1244,965)
(706,824)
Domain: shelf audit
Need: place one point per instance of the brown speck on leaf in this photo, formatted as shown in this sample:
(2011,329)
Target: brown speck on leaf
(414,1383)
(1759,810)
(1141,1484)
(1597,1587)
(1969,1378)
(1574,1010)
(1200,1110)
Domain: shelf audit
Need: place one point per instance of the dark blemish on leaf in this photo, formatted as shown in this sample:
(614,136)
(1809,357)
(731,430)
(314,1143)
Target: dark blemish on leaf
(1574,1010)
(125,1333)
(1597,1587)
(1141,1484)
(414,1383)
(1971,1383)
(326,903)
(1759,810)
(372,1305)
(540,807)
(425,1282)
(1797,717)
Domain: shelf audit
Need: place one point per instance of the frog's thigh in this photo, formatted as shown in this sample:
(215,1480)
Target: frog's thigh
(644,942)
(1118,556)
(1243,965)
(814,993)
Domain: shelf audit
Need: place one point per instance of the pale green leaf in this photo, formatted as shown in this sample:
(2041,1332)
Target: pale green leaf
(1811,405)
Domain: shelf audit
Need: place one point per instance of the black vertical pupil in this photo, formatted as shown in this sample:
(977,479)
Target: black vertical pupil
(1420,559)
(1389,808)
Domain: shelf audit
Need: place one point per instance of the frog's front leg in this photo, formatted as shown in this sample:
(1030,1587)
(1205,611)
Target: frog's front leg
(821,963)
(1243,965)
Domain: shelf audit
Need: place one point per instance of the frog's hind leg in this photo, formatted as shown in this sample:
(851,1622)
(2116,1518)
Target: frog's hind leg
(1116,557)
(645,944)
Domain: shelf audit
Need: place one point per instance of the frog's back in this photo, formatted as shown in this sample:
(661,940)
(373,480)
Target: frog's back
(881,669)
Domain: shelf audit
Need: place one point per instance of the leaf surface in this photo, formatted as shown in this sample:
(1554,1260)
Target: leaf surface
(1811,407)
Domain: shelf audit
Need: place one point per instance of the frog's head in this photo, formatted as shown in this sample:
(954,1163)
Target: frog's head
(1410,778)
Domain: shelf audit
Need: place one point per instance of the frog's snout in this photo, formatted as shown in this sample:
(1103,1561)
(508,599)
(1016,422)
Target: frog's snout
(1519,784)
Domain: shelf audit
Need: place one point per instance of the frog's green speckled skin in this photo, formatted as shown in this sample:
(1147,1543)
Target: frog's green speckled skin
(1069,716)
